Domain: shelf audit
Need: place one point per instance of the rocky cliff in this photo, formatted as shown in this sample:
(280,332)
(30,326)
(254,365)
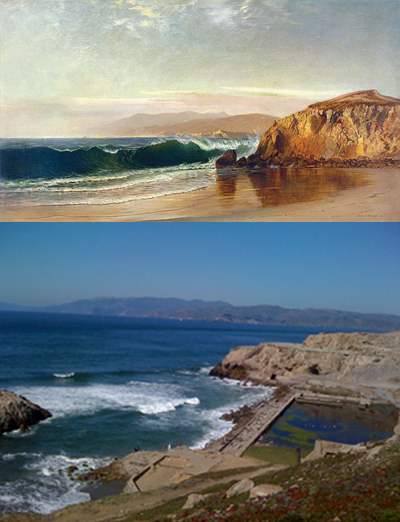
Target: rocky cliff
(365,359)
(16,412)
(357,129)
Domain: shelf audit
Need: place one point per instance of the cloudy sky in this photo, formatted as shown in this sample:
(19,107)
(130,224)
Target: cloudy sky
(67,63)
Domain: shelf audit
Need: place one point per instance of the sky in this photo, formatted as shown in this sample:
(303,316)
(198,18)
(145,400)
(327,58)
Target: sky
(70,64)
(343,266)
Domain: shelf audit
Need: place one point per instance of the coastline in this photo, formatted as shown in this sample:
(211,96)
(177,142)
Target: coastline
(169,478)
(371,196)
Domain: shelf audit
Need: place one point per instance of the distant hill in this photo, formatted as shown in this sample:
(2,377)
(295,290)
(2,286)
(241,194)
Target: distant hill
(132,306)
(10,307)
(221,311)
(188,123)
(136,124)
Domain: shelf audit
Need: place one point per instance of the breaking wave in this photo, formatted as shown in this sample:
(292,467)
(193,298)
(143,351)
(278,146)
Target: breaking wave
(47,162)
(93,172)
(64,375)
(134,396)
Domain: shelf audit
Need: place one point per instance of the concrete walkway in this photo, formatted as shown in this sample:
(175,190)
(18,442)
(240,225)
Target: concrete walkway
(236,442)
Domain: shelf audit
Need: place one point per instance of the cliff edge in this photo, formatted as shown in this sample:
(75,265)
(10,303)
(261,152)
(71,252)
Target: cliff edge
(357,361)
(360,129)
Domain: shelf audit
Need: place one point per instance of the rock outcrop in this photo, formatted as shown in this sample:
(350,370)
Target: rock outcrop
(226,160)
(360,129)
(359,359)
(16,412)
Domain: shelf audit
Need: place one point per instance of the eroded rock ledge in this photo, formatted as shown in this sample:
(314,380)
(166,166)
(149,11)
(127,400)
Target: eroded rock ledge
(360,129)
(16,412)
(367,364)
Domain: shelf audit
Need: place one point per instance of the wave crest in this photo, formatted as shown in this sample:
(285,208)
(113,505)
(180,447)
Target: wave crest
(47,162)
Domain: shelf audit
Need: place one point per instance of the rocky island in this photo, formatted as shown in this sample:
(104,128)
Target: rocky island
(360,129)
(17,413)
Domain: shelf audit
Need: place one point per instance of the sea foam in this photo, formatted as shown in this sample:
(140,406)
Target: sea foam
(87,400)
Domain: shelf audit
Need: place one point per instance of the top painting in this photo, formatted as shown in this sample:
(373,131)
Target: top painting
(200,110)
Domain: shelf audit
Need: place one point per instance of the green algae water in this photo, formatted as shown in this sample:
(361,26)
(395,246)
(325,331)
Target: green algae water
(302,424)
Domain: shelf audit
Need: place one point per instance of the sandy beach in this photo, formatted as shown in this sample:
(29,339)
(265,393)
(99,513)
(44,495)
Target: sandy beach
(298,195)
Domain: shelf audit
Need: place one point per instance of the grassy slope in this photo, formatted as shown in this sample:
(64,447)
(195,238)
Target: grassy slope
(337,488)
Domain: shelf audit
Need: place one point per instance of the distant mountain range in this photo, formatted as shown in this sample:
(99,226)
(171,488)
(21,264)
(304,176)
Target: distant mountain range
(187,123)
(219,311)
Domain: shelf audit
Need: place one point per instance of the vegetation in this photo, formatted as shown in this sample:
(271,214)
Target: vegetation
(272,453)
(346,488)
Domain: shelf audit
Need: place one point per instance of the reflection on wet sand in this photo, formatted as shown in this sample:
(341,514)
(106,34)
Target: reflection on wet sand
(276,187)
(226,186)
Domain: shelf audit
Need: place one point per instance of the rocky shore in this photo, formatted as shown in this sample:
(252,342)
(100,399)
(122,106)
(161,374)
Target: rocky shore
(360,129)
(214,484)
(363,365)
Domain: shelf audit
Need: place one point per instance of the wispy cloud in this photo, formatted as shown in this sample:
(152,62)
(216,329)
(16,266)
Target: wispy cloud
(145,11)
(295,93)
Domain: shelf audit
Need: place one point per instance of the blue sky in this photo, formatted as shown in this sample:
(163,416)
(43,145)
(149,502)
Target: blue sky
(343,266)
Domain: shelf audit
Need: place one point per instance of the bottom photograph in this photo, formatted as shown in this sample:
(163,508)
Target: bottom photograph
(200,372)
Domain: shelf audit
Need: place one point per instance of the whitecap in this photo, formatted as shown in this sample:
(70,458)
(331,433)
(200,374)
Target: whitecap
(64,375)
(164,407)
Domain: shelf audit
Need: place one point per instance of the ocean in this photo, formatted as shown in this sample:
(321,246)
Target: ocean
(113,384)
(35,172)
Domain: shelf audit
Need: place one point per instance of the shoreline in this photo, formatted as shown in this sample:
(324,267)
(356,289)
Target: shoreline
(208,470)
(357,195)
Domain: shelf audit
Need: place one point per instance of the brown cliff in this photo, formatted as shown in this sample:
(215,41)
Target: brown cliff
(354,359)
(357,129)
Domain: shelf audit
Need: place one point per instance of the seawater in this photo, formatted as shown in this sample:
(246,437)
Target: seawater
(37,172)
(113,384)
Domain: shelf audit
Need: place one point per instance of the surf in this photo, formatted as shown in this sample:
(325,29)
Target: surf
(49,162)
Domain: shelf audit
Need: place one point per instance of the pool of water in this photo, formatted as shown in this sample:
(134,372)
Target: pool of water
(302,424)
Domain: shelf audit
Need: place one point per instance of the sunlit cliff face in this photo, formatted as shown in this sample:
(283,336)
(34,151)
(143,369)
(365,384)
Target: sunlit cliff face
(67,62)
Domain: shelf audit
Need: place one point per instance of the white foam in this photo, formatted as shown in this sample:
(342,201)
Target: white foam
(163,407)
(218,427)
(64,375)
(86,400)
(46,486)
(206,369)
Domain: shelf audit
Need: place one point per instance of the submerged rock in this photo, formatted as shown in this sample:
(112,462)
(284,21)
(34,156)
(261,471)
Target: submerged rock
(16,412)
(226,160)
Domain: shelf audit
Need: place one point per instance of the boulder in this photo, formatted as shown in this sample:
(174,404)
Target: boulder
(226,160)
(16,412)
(193,500)
(242,162)
(265,490)
(243,486)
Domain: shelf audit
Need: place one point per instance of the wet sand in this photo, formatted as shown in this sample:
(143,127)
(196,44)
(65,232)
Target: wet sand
(299,195)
